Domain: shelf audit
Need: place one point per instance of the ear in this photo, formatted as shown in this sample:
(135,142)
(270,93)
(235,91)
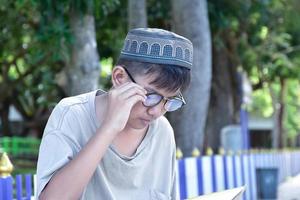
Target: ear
(118,76)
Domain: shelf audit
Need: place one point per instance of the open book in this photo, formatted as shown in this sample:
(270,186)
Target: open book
(231,194)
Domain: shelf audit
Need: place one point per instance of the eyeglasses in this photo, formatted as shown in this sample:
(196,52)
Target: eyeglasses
(153,99)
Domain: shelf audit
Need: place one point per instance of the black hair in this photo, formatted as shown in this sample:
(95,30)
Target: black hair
(168,77)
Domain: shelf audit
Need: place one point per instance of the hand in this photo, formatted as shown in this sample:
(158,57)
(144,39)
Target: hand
(120,102)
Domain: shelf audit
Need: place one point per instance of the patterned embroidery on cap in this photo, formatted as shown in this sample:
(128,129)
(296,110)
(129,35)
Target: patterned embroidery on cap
(179,53)
(133,47)
(155,49)
(143,48)
(127,44)
(160,50)
(187,55)
(168,51)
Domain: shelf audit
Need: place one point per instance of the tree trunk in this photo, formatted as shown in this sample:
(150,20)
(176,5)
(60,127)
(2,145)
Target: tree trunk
(191,20)
(221,112)
(225,98)
(4,111)
(275,131)
(137,14)
(280,116)
(83,69)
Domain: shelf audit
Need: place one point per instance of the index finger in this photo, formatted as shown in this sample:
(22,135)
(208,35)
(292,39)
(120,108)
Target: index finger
(122,88)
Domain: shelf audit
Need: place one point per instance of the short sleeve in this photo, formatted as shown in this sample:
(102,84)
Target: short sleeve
(55,152)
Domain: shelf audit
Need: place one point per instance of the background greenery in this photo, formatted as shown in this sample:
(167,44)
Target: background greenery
(259,37)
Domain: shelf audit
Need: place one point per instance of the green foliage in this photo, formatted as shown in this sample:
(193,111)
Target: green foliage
(292,119)
(28,67)
(106,69)
(262,102)
(159,14)
(263,38)
(112,25)
(105,7)
(259,26)
(35,45)
(109,20)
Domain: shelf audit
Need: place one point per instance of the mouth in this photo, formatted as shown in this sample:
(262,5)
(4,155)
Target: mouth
(146,120)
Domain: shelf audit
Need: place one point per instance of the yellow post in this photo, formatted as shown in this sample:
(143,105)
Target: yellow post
(230,152)
(179,153)
(209,151)
(196,152)
(222,151)
(6,166)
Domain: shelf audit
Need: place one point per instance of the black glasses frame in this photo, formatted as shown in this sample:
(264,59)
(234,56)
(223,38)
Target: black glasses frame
(163,98)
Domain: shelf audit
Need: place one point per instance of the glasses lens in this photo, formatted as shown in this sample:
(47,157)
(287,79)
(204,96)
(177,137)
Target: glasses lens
(173,104)
(152,99)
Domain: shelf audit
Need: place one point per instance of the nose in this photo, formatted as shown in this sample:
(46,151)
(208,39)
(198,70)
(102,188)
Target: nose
(157,110)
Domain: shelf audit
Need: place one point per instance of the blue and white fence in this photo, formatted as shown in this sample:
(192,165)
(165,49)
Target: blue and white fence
(196,175)
(21,187)
(206,174)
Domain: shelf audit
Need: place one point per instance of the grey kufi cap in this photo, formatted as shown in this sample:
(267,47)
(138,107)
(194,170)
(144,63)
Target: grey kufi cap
(157,46)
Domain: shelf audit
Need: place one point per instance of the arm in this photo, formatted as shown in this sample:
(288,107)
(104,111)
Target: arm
(62,184)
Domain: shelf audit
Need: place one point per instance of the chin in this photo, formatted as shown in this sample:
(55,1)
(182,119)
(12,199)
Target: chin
(140,124)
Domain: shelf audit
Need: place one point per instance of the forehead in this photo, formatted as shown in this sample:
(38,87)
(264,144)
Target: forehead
(145,82)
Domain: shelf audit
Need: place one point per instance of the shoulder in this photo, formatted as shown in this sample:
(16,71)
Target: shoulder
(67,110)
(73,101)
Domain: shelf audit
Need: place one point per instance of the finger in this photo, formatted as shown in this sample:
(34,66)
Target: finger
(134,99)
(122,85)
(125,87)
(142,96)
(132,91)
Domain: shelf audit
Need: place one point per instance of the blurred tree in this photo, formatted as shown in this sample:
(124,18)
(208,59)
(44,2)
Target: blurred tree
(225,98)
(260,37)
(159,14)
(81,56)
(83,68)
(26,80)
(137,14)
(36,38)
(274,62)
(249,35)
(292,115)
(111,27)
(191,20)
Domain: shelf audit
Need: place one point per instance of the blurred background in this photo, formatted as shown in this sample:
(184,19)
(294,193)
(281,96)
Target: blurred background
(244,94)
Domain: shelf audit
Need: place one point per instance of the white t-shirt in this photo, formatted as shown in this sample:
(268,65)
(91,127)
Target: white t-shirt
(148,174)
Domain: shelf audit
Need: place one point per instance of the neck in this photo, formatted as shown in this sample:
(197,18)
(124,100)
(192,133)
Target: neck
(128,140)
(133,131)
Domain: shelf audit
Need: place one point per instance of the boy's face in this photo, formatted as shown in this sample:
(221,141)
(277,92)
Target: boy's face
(141,116)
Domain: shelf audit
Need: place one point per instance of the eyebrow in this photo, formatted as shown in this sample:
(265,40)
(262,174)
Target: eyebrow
(150,90)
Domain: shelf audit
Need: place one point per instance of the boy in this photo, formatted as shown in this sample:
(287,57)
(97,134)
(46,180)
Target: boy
(117,144)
